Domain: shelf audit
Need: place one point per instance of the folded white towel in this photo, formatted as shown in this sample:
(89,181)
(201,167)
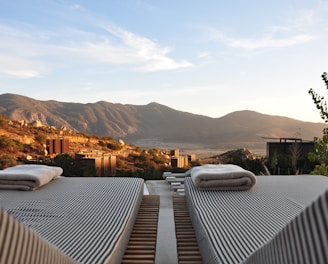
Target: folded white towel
(222,177)
(28,177)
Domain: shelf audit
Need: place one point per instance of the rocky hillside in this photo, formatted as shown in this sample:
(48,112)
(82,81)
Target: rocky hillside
(22,142)
(156,125)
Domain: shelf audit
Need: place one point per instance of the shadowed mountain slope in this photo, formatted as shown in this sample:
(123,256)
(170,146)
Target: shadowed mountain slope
(157,125)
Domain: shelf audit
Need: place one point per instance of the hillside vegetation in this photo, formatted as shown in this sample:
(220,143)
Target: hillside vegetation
(22,142)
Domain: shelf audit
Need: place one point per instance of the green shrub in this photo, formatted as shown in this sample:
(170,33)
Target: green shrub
(40,138)
(7,161)
(10,145)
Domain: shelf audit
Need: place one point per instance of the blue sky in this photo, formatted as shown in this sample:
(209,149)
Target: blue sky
(204,57)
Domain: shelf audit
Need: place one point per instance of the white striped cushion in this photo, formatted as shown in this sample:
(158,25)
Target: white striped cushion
(89,219)
(231,225)
(20,245)
(303,240)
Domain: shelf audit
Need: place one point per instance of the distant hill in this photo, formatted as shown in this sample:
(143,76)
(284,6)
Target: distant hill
(156,125)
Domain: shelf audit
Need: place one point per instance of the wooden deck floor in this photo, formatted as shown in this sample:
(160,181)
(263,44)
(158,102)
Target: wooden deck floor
(142,244)
(187,246)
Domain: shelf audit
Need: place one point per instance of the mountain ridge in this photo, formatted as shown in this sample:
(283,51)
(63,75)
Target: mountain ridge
(159,125)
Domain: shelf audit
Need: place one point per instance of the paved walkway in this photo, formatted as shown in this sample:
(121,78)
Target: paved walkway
(166,247)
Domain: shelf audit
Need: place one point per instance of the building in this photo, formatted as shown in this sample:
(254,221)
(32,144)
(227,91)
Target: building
(290,147)
(181,161)
(175,153)
(57,146)
(192,157)
(290,156)
(103,164)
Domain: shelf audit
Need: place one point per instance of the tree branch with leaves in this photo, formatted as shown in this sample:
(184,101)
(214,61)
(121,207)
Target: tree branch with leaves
(321,144)
(320,101)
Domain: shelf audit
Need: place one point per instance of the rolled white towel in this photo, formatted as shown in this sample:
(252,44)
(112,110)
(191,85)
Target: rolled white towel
(28,177)
(222,177)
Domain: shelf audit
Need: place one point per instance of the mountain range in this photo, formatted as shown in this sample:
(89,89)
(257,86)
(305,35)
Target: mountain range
(156,125)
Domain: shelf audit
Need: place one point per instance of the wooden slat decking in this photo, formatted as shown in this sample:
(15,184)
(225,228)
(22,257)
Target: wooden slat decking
(187,246)
(142,244)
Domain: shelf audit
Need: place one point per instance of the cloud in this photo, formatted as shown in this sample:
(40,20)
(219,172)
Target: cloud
(204,54)
(19,67)
(28,53)
(19,56)
(267,41)
(120,46)
(75,6)
(297,30)
(149,54)
(148,57)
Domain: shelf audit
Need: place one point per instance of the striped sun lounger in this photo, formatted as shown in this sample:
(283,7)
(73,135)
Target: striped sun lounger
(89,220)
(255,225)
(19,244)
(303,240)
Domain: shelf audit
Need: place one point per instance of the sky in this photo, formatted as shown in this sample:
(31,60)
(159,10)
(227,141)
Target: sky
(204,57)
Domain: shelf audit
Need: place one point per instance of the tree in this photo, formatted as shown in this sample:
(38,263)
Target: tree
(321,144)
(296,153)
(66,162)
(320,101)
